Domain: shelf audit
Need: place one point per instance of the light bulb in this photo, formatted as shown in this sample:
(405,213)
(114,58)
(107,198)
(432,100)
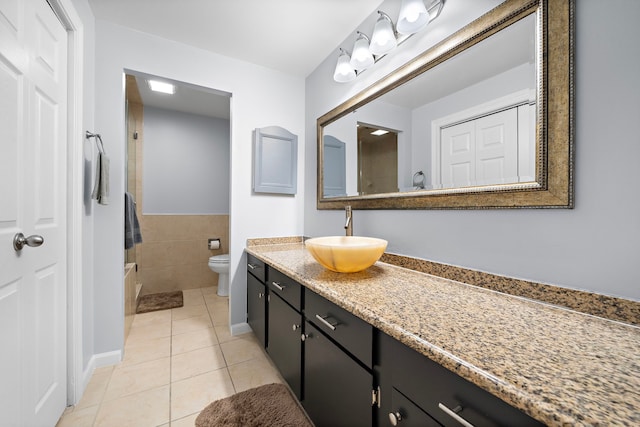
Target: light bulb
(361,57)
(413,16)
(383,39)
(344,71)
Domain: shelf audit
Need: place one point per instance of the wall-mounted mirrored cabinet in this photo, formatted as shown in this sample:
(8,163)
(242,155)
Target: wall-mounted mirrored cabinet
(481,120)
(275,163)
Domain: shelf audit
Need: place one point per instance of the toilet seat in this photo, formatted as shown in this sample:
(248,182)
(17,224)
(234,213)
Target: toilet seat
(219,259)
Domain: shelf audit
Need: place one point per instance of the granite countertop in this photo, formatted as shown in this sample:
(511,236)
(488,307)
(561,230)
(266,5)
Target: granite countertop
(559,366)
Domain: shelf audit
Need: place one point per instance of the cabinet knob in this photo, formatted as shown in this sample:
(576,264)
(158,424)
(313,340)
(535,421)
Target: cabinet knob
(304,337)
(395,418)
(296,327)
(260,294)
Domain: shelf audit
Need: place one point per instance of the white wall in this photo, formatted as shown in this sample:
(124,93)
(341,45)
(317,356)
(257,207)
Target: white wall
(185,163)
(260,97)
(594,246)
(89,149)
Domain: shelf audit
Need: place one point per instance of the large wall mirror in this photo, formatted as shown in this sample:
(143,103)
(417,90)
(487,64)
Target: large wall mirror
(481,120)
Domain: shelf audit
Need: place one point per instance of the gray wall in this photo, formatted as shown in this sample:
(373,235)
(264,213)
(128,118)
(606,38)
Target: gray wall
(594,246)
(185,163)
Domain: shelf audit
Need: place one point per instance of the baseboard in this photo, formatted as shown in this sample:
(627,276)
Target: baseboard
(240,328)
(98,361)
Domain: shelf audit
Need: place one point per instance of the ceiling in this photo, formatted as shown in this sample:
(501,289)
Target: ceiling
(188,98)
(293,36)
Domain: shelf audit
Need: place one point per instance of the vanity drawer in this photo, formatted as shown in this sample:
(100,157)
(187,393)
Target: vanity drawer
(407,413)
(287,288)
(351,332)
(256,267)
(434,389)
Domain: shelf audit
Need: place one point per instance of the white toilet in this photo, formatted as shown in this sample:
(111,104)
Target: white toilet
(220,264)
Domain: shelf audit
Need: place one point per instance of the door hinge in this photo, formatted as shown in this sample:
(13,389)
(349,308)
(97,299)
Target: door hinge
(375,397)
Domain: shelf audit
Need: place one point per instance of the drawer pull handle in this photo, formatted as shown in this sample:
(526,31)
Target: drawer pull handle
(395,418)
(453,413)
(328,324)
(278,286)
(251,266)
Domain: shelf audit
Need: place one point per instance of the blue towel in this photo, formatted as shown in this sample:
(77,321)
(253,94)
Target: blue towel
(132,235)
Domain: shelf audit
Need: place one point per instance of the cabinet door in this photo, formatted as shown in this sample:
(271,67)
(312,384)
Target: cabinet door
(337,390)
(256,306)
(284,346)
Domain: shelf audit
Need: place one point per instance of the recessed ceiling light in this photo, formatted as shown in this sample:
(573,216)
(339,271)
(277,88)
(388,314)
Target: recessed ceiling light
(164,87)
(379,132)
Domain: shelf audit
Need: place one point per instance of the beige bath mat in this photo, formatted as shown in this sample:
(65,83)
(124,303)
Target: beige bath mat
(265,406)
(160,301)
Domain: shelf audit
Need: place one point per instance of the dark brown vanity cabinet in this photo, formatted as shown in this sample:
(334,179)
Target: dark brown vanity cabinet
(284,344)
(414,386)
(338,379)
(257,298)
(337,389)
(347,373)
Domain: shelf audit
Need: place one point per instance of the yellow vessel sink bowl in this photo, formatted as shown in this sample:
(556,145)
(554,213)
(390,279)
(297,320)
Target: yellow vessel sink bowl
(346,254)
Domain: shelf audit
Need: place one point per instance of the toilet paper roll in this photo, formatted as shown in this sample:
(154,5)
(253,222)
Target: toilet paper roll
(214,244)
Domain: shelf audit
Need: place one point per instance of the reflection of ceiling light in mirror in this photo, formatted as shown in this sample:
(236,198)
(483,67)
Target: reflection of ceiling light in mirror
(163,87)
(379,132)
(413,16)
(361,57)
(344,71)
(383,39)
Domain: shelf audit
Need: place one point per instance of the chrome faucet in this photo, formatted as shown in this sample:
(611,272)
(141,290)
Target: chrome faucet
(349,225)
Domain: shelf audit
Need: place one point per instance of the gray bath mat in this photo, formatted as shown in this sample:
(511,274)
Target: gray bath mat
(160,301)
(265,406)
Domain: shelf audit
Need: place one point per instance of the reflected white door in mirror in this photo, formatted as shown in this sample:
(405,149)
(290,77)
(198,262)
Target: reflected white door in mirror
(490,144)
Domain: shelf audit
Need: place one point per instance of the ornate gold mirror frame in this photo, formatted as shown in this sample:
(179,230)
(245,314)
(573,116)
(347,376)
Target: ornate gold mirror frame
(553,187)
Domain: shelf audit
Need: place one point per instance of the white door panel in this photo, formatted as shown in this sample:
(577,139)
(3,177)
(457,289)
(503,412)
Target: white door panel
(458,155)
(33,90)
(497,148)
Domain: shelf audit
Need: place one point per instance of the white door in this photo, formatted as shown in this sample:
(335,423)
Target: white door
(482,151)
(497,148)
(458,152)
(33,85)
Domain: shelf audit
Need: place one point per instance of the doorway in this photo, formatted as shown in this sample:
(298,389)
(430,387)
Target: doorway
(377,160)
(178,172)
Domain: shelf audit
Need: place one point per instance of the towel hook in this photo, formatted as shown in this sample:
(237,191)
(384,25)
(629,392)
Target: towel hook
(98,138)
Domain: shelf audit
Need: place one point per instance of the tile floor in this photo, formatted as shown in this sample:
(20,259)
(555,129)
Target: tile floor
(175,363)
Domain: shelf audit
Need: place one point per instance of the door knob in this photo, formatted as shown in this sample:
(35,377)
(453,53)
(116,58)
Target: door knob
(19,241)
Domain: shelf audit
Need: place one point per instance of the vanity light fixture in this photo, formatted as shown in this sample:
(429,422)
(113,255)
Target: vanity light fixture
(362,58)
(413,17)
(344,71)
(162,87)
